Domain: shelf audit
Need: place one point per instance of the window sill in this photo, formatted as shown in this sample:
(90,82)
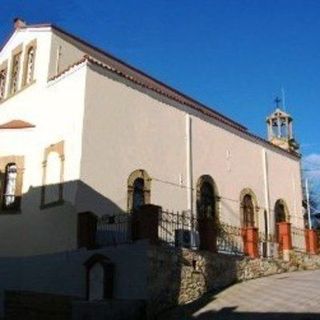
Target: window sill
(11,95)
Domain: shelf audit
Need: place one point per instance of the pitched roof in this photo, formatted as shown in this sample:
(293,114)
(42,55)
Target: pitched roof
(143,78)
(139,77)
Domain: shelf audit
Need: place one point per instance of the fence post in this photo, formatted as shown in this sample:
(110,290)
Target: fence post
(250,239)
(145,223)
(285,239)
(87,228)
(208,234)
(311,241)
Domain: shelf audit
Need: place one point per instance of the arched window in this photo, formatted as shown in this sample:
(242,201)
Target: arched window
(139,185)
(206,200)
(280,211)
(207,213)
(248,208)
(138,194)
(29,65)
(248,211)
(11,181)
(280,214)
(206,197)
(10,186)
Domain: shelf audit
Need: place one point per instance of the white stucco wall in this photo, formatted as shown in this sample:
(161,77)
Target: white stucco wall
(125,130)
(131,129)
(56,110)
(110,128)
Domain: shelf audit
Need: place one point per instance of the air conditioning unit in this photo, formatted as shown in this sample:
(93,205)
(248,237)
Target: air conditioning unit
(186,239)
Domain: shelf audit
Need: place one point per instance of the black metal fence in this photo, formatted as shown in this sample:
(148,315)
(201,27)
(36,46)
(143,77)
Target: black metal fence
(176,229)
(113,230)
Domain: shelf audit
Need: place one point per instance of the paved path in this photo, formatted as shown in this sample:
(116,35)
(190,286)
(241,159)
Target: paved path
(289,296)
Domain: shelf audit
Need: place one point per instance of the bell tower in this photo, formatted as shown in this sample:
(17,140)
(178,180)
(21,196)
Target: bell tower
(280,130)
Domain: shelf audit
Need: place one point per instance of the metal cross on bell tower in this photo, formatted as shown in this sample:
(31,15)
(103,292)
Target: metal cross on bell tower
(277,100)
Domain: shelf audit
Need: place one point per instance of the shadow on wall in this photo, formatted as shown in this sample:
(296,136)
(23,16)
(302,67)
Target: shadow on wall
(76,194)
(49,214)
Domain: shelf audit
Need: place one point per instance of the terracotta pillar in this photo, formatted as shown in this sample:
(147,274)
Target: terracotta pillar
(285,239)
(145,223)
(312,241)
(250,239)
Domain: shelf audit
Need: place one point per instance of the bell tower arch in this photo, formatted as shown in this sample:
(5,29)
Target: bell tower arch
(280,129)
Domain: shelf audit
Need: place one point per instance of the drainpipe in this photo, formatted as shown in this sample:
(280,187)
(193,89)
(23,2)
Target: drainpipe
(189,164)
(266,196)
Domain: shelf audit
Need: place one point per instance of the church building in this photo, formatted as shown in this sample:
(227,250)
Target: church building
(82,131)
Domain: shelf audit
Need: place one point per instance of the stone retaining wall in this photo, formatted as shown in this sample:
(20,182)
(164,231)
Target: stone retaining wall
(180,276)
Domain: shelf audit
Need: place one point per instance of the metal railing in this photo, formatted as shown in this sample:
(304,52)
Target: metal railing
(182,230)
(229,239)
(298,239)
(174,229)
(113,230)
(177,229)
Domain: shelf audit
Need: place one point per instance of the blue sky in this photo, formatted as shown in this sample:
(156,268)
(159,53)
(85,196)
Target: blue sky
(232,55)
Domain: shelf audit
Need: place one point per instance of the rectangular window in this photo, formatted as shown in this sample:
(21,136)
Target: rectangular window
(3,77)
(15,73)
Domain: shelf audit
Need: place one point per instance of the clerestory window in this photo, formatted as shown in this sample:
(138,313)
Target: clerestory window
(15,73)
(29,65)
(3,77)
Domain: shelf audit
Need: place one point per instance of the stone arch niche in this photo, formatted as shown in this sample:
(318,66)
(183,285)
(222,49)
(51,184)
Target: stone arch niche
(53,175)
(249,220)
(207,212)
(139,190)
(99,278)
